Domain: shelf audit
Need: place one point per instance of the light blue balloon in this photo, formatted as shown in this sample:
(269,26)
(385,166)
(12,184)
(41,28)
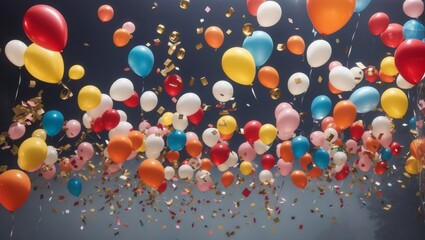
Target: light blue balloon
(299,146)
(260,45)
(176,140)
(365,99)
(321,158)
(386,154)
(321,107)
(141,60)
(361,5)
(412,123)
(413,29)
(52,122)
(75,186)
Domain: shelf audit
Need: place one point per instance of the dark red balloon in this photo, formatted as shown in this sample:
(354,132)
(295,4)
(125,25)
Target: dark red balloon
(343,174)
(219,153)
(173,84)
(197,117)
(393,35)
(395,148)
(371,74)
(162,187)
(268,161)
(357,129)
(110,119)
(252,130)
(97,125)
(378,23)
(410,60)
(132,101)
(381,167)
(46,27)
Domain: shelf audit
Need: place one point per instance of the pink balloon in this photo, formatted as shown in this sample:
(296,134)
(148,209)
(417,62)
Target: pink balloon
(284,136)
(48,172)
(203,186)
(246,152)
(280,108)
(288,121)
(366,135)
(386,139)
(351,146)
(129,26)
(132,155)
(362,152)
(144,126)
(191,136)
(413,8)
(16,130)
(317,138)
(154,130)
(284,167)
(76,163)
(73,128)
(278,150)
(85,151)
(334,64)
(364,164)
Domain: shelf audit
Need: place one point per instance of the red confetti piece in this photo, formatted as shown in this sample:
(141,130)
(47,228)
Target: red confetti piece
(246,192)
(301,227)
(127,69)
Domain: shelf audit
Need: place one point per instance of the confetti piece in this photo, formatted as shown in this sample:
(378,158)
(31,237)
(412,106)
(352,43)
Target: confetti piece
(230,12)
(207,9)
(246,192)
(184,4)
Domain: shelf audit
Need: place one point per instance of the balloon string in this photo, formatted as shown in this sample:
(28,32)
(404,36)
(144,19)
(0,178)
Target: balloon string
(352,38)
(259,106)
(19,84)
(280,192)
(13,224)
(40,218)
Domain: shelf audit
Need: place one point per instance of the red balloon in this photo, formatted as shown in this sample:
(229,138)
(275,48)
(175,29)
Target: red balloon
(381,167)
(252,6)
(252,130)
(343,174)
(378,23)
(110,119)
(393,35)
(219,153)
(197,117)
(395,148)
(46,27)
(133,101)
(357,129)
(162,187)
(371,74)
(410,60)
(97,125)
(268,161)
(173,84)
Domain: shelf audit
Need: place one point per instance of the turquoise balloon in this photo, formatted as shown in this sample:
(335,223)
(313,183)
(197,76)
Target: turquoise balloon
(260,45)
(412,124)
(361,5)
(75,186)
(141,60)
(321,107)
(365,99)
(413,29)
(52,122)
(321,158)
(386,154)
(176,140)
(299,146)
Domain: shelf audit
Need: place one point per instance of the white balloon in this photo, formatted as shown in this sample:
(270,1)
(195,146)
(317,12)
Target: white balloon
(318,53)
(154,143)
(223,167)
(121,89)
(265,176)
(203,176)
(191,135)
(105,104)
(195,163)
(15,51)
(210,136)
(188,104)
(413,8)
(87,121)
(339,158)
(402,83)
(358,74)
(380,125)
(298,83)
(123,129)
(260,147)
(152,154)
(342,78)
(269,13)
(52,155)
(169,172)
(185,172)
(123,115)
(331,135)
(148,101)
(179,121)
(222,91)
(232,160)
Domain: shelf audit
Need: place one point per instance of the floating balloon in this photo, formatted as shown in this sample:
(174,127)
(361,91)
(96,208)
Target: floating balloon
(75,186)
(269,13)
(393,35)
(413,8)
(286,151)
(110,119)
(193,147)
(299,179)
(188,104)
(15,50)
(119,149)
(226,124)
(288,121)
(173,85)
(252,6)
(394,102)
(321,107)
(219,153)
(298,83)
(284,167)
(185,172)
(317,138)
(52,122)
(246,152)
(413,29)
(214,37)
(318,53)
(222,91)
(85,151)
(16,130)
(132,101)
(299,146)
(260,45)
(252,130)
(321,158)
(361,5)
(245,168)
(282,106)
(121,37)
(239,65)
(121,89)
(72,128)
(123,129)
(296,45)
(76,72)
(43,64)
(388,66)
(365,99)
(342,78)
(344,114)
(148,101)
(176,140)
(15,188)
(410,60)
(210,136)
(265,176)
(151,172)
(141,60)
(105,104)
(267,133)
(378,23)
(105,13)
(129,26)
(413,166)
(268,77)
(179,121)
(227,179)
(89,97)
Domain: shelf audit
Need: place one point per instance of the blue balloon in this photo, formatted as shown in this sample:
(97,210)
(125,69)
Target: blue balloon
(412,123)
(75,186)
(52,122)
(141,60)
(176,140)
(321,158)
(361,5)
(413,29)
(299,146)
(365,99)
(321,107)
(386,154)
(260,45)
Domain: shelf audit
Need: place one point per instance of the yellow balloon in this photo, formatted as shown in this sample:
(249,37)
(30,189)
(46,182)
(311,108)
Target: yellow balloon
(167,118)
(388,66)
(412,165)
(76,72)
(268,133)
(39,133)
(143,147)
(32,153)
(245,168)
(43,64)
(89,97)
(394,102)
(238,64)
(226,124)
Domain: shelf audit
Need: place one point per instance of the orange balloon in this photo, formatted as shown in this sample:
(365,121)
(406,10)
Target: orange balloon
(296,45)
(372,144)
(253,5)
(386,78)
(344,114)
(268,77)
(15,187)
(305,161)
(206,164)
(417,148)
(136,138)
(65,165)
(334,126)
(105,13)
(214,36)
(338,142)
(227,178)
(315,172)
(151,172)
(194,147)
(328,16)
(332,89)
(286,151)
(326,122)
(173,156)
(226,136)
(119,149)
(121,37)
(299,178)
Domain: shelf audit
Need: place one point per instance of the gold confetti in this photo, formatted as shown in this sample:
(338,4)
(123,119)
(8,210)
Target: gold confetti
(181,53)
(229,31)
(360,65)
(65,92)
(199,46)
(3,168)
(334,219)
(191,81)
(160,110)
(281,47)
(32,84)
(387,207)
(174,36)
(184,4)
(319,79)
(172,47)
(204,81)
(160,29)
(230,12)
(247,29)
(275,93)
(337,40)
(199,30)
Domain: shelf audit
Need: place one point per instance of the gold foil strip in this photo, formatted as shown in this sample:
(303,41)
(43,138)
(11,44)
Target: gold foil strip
(191,81)
(199,30)
(160,110)
(160,29)
(281,47)
(247,29)
(174,36)
(32,84)
(229,31)
(204,81)
(181,53)
(230,12)
(65,92)
(184,4)
(275,93)
(199,46)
